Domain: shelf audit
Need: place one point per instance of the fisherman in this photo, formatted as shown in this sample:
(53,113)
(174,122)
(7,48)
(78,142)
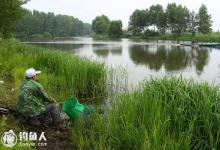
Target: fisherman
(35,104)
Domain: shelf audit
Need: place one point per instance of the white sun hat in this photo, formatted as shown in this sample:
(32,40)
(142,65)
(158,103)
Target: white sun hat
(31,72)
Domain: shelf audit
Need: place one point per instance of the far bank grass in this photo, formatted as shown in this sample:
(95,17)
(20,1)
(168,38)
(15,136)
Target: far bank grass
(63,74)
(168,114)
(198,37)
(211,37)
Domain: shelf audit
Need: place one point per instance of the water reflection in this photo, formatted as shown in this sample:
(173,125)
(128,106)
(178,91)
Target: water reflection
(202,60)
(173,58)
(143,59)
(116,51)
(105,50)
(100,50)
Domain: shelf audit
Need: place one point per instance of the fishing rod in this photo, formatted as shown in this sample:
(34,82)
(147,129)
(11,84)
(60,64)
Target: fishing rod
(4,110)
(90,98)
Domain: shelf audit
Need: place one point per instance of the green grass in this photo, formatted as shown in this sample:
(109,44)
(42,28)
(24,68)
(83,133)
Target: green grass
(168,113)
(199,37)
(63,74)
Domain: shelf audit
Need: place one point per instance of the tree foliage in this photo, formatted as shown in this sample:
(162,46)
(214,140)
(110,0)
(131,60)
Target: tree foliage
(193,22)
(100,24)
(158,17)
(205,22)
(115,29)
(175,19)
(10,12)
(139,20)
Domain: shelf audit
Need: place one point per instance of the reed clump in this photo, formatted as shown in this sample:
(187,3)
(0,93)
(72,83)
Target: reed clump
(167,113)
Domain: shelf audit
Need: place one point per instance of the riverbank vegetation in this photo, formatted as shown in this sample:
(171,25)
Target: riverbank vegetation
(168,113)
(64,75)
(199,37)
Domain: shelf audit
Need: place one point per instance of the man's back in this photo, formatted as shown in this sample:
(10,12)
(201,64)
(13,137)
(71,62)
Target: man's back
(30,101)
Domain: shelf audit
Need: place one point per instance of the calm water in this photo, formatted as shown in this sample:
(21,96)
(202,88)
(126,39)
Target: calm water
(144,59)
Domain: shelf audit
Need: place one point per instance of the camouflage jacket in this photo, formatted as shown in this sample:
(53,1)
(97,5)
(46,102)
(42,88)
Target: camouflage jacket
(32,98)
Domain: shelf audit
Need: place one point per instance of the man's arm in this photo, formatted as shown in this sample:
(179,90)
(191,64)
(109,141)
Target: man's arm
(44,95)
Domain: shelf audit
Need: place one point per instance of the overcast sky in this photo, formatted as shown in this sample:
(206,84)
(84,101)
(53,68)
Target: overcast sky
(87,10)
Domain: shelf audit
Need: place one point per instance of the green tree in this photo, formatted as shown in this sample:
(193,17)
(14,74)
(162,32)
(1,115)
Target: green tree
(177,18)
(24,26)
(64,25)
(78,27)
(139,20)
(115,29)
(49,23)
(158,17)
(205,22)
(10,12)
(100,24)
(193,22)
(87,29)
(153,14)
(161,22)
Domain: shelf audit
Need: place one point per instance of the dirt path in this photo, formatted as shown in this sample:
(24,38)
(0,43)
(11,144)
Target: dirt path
(57,141)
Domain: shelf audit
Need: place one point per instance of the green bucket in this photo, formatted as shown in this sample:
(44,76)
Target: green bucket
(73,108)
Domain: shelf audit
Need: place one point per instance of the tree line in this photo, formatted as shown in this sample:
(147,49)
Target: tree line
(35,24)
(175,19)
(23,23)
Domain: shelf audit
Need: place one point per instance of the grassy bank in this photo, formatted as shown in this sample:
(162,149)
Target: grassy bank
(167,113)
(211,37)
(64,75)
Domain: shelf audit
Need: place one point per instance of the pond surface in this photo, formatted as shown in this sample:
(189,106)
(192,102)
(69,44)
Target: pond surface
(145,59)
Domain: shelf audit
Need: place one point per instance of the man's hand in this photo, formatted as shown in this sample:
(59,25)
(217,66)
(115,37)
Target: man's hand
(57,104)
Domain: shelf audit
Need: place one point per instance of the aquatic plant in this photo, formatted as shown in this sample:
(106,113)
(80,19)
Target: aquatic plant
(167,113)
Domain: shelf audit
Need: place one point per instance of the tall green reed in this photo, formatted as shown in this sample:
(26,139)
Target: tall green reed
(166,113)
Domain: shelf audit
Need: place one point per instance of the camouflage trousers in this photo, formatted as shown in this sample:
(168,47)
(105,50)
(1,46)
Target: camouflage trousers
(50,117)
